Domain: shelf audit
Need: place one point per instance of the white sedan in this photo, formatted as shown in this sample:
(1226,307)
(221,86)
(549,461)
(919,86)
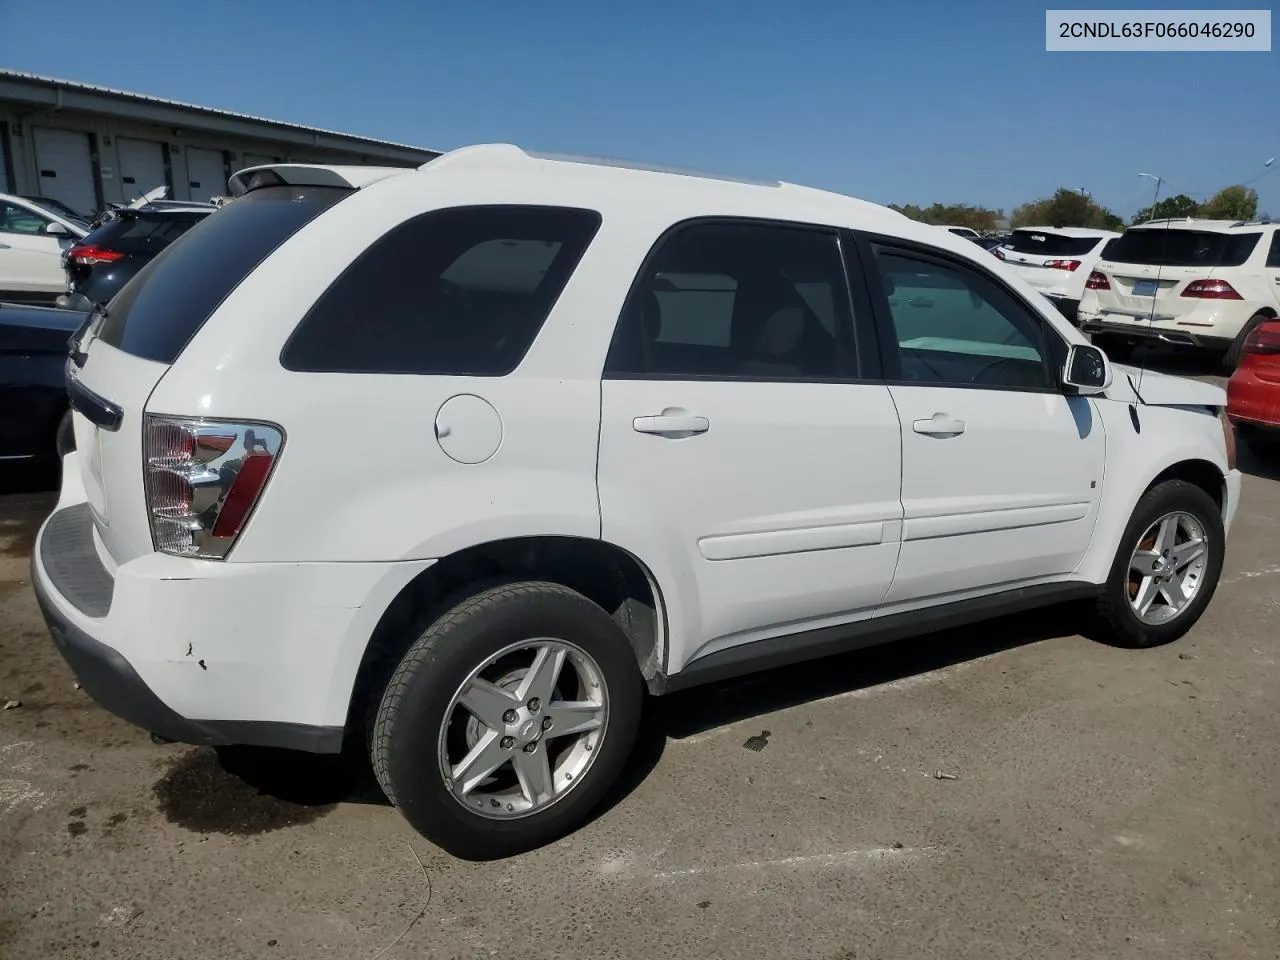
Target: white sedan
(32,241)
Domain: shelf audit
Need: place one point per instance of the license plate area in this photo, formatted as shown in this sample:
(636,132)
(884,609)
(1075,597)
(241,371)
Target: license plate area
(1144,288)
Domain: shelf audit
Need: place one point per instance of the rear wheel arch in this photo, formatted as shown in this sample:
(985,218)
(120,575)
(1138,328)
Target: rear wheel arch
(612,578)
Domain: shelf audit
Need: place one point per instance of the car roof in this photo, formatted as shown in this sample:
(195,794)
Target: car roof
(609,184)
(1211,226)
(1070,231)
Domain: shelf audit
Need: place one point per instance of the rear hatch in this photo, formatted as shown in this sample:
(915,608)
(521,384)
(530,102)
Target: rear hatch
(1149,268)
(128,346)
(1046,259)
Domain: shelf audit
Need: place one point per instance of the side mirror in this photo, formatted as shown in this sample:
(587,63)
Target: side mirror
(56,229)
(1088,370)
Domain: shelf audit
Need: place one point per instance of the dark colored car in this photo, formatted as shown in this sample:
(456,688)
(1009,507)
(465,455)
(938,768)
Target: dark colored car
(34,423)
(125,242)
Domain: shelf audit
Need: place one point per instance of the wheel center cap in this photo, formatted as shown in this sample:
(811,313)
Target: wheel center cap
(529,729)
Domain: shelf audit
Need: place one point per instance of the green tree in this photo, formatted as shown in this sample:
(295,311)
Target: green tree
(1232,203)
(959,215)
(1066,208)
(1176,206)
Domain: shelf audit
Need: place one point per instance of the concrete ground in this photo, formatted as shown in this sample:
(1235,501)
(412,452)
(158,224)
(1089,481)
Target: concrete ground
(1093,802)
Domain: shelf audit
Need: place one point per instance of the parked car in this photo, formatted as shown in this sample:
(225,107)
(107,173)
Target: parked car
(62,210)
(1055,260)
(967,232)
(35,422)
(623,429)
(125,242)
(1253,392)
(1203,284)
(32,241)
(990,244)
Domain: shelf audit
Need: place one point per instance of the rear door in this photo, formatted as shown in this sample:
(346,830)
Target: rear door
(1000,471)
(144,329)
(1273,266)
(741,455)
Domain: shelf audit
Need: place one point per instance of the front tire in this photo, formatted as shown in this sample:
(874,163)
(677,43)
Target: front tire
(1231,359)
(1167,567)
(508,720)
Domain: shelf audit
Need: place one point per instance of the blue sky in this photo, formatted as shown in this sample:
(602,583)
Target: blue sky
(907,101)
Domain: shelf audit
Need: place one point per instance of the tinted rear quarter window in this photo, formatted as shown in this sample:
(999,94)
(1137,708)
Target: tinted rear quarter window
(1183,248)
(461,292)
(1049,244)
(159,311)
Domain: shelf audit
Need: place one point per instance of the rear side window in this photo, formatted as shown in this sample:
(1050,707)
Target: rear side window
(159,310)
(1049,244)
(459,292)
(1168,247)
(1273,255)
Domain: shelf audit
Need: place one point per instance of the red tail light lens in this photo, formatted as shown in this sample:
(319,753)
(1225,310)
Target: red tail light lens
(1211,290)
(1097,281)
(88,254)
(203,479)
(1265,339)
(1062,264)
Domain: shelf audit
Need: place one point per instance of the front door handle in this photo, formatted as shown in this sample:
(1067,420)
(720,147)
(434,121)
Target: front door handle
(671,422)
(939,425)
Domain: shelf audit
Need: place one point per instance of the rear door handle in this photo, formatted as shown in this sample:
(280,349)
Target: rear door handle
(671,421)
(939,425)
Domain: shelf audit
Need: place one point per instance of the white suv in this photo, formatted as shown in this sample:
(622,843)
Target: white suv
(1055,260)
(454,463)
(1196,283)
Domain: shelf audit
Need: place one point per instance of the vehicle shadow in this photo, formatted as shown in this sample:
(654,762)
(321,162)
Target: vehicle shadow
(303,781)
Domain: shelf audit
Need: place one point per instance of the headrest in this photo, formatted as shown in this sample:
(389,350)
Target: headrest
(780,334)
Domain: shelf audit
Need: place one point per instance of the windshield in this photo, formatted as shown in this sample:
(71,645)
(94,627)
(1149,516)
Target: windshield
(1046,243)
(143,234)
(61,209)
(160,309)
(1169,247)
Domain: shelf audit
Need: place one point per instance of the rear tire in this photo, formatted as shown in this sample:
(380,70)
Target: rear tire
(1127,589)
(429,730)
(1260,440)
(1231,359)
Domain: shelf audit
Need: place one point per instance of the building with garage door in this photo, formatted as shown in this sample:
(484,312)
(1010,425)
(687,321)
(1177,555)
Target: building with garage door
(88,146)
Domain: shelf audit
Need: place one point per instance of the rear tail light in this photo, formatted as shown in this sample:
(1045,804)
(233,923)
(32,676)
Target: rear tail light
(88,254)
(203,479)
(1211,290)
(1265,338)
(1062,264)
(1098,281)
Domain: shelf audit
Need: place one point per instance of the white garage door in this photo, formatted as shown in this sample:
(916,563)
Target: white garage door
(64,169)
(141,166)
(206,176)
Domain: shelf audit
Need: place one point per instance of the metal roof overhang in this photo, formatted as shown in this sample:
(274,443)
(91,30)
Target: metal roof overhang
(49,94)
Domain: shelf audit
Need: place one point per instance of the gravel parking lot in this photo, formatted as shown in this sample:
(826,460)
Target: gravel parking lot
(1011,790)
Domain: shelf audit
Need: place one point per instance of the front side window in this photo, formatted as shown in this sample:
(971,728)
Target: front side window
(738,300)
(16,219)
(954,326)
(459,292)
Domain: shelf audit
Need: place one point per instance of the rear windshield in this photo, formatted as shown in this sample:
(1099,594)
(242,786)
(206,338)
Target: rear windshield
(160,309)
(1183,248)
(1049,244)
(143,233)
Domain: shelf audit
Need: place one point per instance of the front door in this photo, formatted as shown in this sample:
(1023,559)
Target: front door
(739,456)
(1001,472)
(30,259)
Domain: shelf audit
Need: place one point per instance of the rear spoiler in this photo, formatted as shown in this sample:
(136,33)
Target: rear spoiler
(308,175)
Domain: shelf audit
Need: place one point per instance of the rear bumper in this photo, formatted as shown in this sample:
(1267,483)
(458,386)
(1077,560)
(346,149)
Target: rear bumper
(1252,400)
(210,652)
(1160,333)
(1210,324)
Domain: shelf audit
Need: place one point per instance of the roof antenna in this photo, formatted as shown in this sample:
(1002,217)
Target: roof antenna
(1151,315)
